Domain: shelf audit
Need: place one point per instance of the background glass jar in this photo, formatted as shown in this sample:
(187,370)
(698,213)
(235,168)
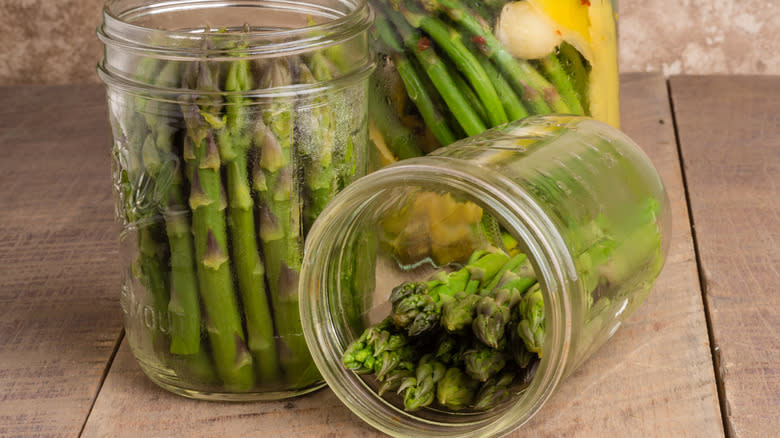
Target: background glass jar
(234,123)
(448,69)
(574,195)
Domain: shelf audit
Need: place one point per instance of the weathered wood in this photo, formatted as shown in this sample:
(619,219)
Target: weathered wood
(729,135)
(130,405)
(59,315)
(655,376)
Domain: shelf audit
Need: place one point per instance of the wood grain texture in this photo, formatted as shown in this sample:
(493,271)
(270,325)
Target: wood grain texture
(59,316)
(130,405)
(655,376)
(729,132)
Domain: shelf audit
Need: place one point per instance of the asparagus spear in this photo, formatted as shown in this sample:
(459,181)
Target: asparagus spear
(460,312)
(422,49)
(372,342)
(419,391)
(516,346)
(531,327)
(456,389)
(235,142)
(449,40)
(493,311)
(415,88)
(552,67)
(417,306)
(575,67)
(512,105)
(535,90)
(483,362)
(467,92)
(138,201)
(279,223)
(494,391)
(161,159)
(151,266)
(231,357)
(316,143)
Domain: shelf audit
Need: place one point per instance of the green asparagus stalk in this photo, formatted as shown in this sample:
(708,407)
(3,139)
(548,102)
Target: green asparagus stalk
(140,203)
(417,306)
(531,327)
(516,346)
(423,50)
(575,67)
(459,313)
(512,105)
(151,264)
(276,185)
(235,142)
(483,362)
(456,389)
(554,71)
(535,90)
(420,391)
(467,92)
(449,40)
(372,342)
(161,159)
(232,359)
(494,310)
(316,143)
(494,391)
(415,87)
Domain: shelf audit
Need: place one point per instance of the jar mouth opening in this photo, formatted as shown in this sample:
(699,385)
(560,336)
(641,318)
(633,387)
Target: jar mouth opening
(327,339)
(176,29)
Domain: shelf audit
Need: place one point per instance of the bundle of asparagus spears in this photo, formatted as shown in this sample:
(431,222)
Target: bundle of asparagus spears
(465,338)
(221,189)
(449,69)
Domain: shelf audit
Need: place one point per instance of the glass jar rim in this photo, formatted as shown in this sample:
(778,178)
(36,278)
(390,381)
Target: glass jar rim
(124,38)
(119,30)
(545,246)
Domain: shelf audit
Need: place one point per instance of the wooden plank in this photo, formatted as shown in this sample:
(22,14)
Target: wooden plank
(59,282)
(130,405)
(729,134)
(654,377)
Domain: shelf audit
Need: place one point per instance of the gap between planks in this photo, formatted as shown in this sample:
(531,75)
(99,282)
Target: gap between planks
(714,351)
(103,377)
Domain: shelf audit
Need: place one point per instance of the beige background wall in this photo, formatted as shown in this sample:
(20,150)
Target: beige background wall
(53,42)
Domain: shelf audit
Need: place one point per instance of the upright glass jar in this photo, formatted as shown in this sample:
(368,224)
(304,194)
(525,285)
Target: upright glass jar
(234,122)
(574,195)
(448,69)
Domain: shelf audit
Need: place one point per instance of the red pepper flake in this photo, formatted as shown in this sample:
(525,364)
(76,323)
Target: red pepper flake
(423,43)
(585,2)
(558,31)
(479,40)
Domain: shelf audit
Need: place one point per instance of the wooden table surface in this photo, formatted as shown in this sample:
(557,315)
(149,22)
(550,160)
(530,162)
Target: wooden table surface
(701,357)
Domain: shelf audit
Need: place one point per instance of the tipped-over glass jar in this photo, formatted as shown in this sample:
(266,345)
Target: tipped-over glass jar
(448,69)
(234,123)
(449,295)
